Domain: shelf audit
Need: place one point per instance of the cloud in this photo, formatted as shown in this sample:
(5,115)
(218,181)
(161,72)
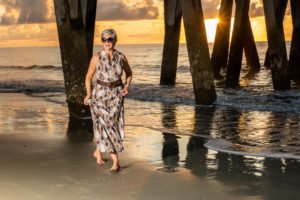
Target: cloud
(25,11)
(33,11)
(210,8)
(41,11)
(9,16)
(256,9)
(127,10)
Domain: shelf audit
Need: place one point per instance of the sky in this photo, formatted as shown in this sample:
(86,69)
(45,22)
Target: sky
(25,23)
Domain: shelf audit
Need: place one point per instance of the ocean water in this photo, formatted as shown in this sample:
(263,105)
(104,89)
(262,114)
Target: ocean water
(252,120)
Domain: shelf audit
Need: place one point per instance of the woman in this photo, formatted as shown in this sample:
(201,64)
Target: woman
(107,98)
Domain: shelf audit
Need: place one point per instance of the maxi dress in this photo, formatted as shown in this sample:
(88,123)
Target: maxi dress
(106,104)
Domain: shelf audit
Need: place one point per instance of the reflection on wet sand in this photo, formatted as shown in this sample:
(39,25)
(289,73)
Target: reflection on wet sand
(264,178)
(80,130)
(170,151)
(195,159)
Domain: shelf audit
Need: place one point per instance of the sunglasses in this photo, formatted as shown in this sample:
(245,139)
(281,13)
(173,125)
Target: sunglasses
(110,40)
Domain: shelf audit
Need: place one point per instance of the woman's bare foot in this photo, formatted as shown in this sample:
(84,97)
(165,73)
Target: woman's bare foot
(115,168)
(98,157)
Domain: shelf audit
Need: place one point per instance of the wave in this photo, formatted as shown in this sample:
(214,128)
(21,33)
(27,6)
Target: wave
(278,101)
(32,86)
(225,146)
(275,101)
(222,145)
(32,67)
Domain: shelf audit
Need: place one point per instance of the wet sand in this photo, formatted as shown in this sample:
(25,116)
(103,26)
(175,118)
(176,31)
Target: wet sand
(39,161)
(35,167)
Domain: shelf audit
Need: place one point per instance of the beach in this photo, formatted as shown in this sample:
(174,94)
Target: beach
(210,92)
(40,161)
(244,146)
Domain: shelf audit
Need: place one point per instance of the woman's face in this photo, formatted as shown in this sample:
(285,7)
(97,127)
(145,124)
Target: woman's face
(108,42)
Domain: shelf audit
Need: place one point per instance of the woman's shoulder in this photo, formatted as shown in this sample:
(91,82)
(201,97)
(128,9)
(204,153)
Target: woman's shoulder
(120,54)
(94,58)
(96,55)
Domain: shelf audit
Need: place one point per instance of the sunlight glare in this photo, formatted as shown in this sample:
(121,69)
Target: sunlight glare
(211,27)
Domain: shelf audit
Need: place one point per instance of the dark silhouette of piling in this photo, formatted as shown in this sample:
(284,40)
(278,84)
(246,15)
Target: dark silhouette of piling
(242,38)
(237,44)
(172,17)
(197,46)
(277,49)
(221,44)
(75,24)
(250,48)
(294,61)
(280,7)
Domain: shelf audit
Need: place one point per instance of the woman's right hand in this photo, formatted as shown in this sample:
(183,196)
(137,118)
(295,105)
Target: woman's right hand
(86,100)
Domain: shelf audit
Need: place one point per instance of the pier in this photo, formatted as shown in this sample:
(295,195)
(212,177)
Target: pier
(76,24)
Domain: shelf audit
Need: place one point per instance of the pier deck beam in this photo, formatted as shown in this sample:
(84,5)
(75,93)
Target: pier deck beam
(221,43)
(172,17)
(277,49)
(294,61)
(197,46)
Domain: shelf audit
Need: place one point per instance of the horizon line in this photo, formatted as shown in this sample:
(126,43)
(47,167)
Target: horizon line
(125,44)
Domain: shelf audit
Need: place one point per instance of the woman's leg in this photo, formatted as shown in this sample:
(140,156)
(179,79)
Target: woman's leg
(115,158)
(98,156)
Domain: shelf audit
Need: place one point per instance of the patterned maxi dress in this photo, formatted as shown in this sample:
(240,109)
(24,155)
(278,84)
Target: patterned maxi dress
(107,104)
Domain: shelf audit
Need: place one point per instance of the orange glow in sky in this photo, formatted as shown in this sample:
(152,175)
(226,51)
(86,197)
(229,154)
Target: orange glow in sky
(150,31)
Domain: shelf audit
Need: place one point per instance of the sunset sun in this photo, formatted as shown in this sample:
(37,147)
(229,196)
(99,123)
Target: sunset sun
(211,27)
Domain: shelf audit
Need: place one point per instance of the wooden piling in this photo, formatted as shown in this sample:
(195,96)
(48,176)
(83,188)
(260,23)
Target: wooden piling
(221,43)
(294,61)
(75,24)
(197,46)
(280,7)
(237,43)
(277,49)
(250,48)
(172,17)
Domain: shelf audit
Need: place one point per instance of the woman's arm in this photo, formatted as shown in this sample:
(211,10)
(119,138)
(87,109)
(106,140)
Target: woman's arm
(128,73)
(89,77)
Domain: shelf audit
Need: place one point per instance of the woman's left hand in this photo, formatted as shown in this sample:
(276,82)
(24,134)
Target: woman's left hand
(124,91)
(86,100)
